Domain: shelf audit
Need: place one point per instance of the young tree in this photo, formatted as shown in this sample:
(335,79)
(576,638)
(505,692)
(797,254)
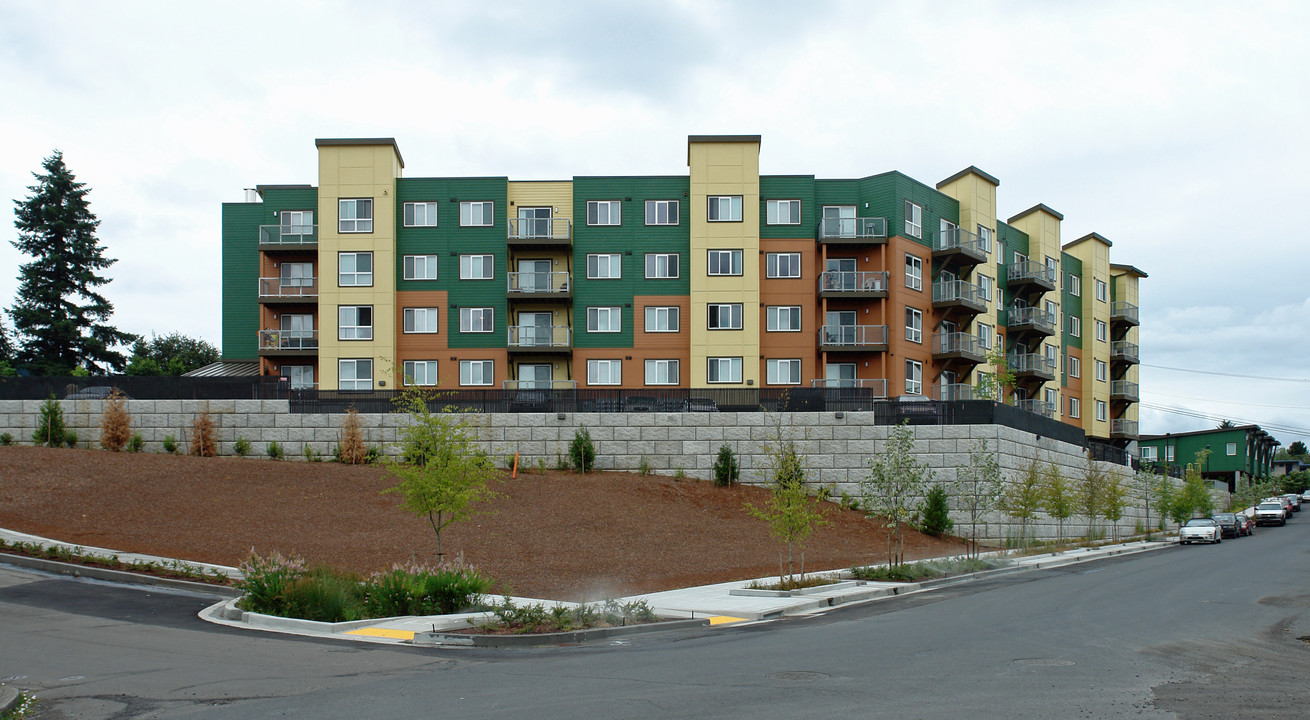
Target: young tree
(1114,500)
(791,513)
(1023,497)
(1090,493)
(1166,499)
(172,354)
(935,513)
(115,424)
(992,386)
(442,473)
(1057,496)
(60,317)
(1195,497)
(895,482)
(978,488)
(1296,449)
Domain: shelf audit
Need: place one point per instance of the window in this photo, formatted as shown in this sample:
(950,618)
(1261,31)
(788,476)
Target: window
(913,220)
(420,267)
(1231,449)
(297,222)
(985,336)
(604,267)
(1101,410)
(661,212)
(1052,357)
(725,262)
(1101,371)
(420,214)
(724,316)
(946,231)
(477,372)
(1052,312)
(724,370)
(1075,285)
(355,322)
(1102,330)
(604,319)
(420,372)
(913,325)
(1148,453)
(420,320)
(725,208)
(295,274)
(782,265)
(1075,367)
(661,372)
(301,376)
(1075,326)
(913,377)
(985,284)
(1053,268)
(782,212)
(477,267)
(355,374)
(1076,409)
(477,214)
(782,372)
(985,238)
(355,216)
(913,272)
(477,320)
(604,372)
(782,318)
(1102,291)
(661,266)
(354,269)
(661,319)
(603,212)
(1168,453)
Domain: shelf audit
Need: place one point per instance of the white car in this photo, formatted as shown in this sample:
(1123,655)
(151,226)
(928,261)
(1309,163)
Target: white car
(1198,529)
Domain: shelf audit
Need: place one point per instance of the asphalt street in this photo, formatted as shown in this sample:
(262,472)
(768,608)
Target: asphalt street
(1186,632)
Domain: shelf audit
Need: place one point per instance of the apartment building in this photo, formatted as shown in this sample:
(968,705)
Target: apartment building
(719,278)
(1234,455)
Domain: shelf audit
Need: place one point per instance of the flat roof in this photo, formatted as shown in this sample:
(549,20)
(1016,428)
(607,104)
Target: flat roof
(329,142)
(1039,206)
(723,138)
(971,170)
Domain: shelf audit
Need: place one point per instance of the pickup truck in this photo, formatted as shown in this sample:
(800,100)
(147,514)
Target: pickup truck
(1270,513)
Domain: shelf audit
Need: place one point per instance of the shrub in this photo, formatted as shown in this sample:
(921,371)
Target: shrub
(241,447)
(70,439)
(6,439)
(582,451)
(351,448)
(727,469)
(643,467)
(115,425)
(266,580)
(136,443)
(679,473)
(537,618)
(936,512)
(50,429)
(203,443)
(422,590)
(311,455)
(170,444)
(325,596)
(274,450)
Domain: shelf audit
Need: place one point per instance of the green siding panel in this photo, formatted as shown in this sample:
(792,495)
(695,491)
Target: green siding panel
(241,223)
(789,187)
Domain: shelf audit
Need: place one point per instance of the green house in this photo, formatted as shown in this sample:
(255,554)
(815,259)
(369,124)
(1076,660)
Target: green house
(1237,454)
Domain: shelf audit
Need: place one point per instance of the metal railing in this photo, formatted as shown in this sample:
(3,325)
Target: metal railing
(1123,350)
(952,392)
(956,291)
(538,336)
(852,228)
(1029,270)
(288,287)
(540,384)
(288,339)
(1121,310)
(539,283)
(1032,317)
(1123,426)
(1030,362)
(1038,407)
(540,229)
(957,342)
(1124,388)
(853,281)
(959,239)
(877,387)
(853,335)
(288,235)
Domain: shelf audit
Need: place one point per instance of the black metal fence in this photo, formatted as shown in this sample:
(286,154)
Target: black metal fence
(143,388)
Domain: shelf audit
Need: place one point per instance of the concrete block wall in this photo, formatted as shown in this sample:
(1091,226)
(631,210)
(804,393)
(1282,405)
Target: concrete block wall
(837,449)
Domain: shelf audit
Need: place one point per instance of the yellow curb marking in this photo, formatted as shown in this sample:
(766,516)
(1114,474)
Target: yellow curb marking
(724,620)
(383,633)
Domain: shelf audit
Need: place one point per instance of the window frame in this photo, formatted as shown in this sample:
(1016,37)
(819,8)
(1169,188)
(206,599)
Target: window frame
(614,260)
(1075,285)
(715,364)
(466,371)
(986,284)
(409,266)
(985,238)
(356,274)
(913,219)
(913,325)
(486,262)
(1102,331)
(675,216)
(482,205)
(1230,449)
(670,366)
(671,312)
(1075,367)
(671,260)
(1075,407)
(913,280)
(354,365)
(714,312)
(613,315)
(409,214)
(1102,371)
(913,377)
(773,314)
(985,336)
(1102,411)
(1075,326)
(735,263)
(486,317)
(1102,290)
(1152,455)
(614,371)
(773,365)
(409,319)
(773,264)
(357,327)
(734,207)
(406,374)
(771,208)
(614,211)
(359,222)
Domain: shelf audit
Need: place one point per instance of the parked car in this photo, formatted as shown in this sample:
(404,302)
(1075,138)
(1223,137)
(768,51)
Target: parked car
(1245,523)
(1270,512)
(1228,525)
(1198,529)
(1295,500)
(1305,496)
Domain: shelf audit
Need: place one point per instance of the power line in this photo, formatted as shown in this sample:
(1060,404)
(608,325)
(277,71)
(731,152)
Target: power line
(1188,412)
(1224,374)
(1231,402)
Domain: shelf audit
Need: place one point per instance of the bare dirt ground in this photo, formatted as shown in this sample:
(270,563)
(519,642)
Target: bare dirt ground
(554,535)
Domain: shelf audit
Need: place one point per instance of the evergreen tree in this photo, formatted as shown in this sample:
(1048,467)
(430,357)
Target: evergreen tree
(60,318)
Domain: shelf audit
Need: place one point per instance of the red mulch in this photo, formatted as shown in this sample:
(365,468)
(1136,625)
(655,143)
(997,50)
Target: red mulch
(556,535)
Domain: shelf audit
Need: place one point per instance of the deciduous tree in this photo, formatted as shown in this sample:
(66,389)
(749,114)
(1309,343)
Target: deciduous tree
(1022,498)
(791,513)
(892,489)
(978,488)
(1057,496)
(171,354)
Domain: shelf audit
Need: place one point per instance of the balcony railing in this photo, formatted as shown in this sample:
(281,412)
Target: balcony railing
(540,384)
(539,283)
(539,337)
(1123,428)
(538,229)
(1031,363)
(958,344)
(1029,271)
(1123,351)
(852,228)
(961,242)
(288,288)
(290,236)
(1123,312)
(871,283)
(853,337)
(952,392)
(1037,407)
(1031,318)
(957,293)
(288,340)
(1124,390)
(876,387)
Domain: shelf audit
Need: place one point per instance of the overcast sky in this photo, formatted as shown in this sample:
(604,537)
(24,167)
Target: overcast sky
(1176,130)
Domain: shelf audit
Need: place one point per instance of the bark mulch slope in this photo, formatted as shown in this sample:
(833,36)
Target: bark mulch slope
(555,535)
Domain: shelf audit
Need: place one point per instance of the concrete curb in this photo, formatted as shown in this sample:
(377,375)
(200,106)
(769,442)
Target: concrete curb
(439,639)
(8,699)
(117,576)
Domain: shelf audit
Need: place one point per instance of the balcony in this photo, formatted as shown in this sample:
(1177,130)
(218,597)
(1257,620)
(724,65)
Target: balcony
(1037,407)
(951,392)
(958,247)
(288,342)
(958,346)
(853,338)
(1123,313)
(1031,365)
(1124,391)
(871,387)
(1030,319)
(540,338)
(540,232)
(288,237)
(853,284)
(853,231)
(957,294)
(1123,428)
(1124,352)
(1029,273)
(539,286)
(288,290)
